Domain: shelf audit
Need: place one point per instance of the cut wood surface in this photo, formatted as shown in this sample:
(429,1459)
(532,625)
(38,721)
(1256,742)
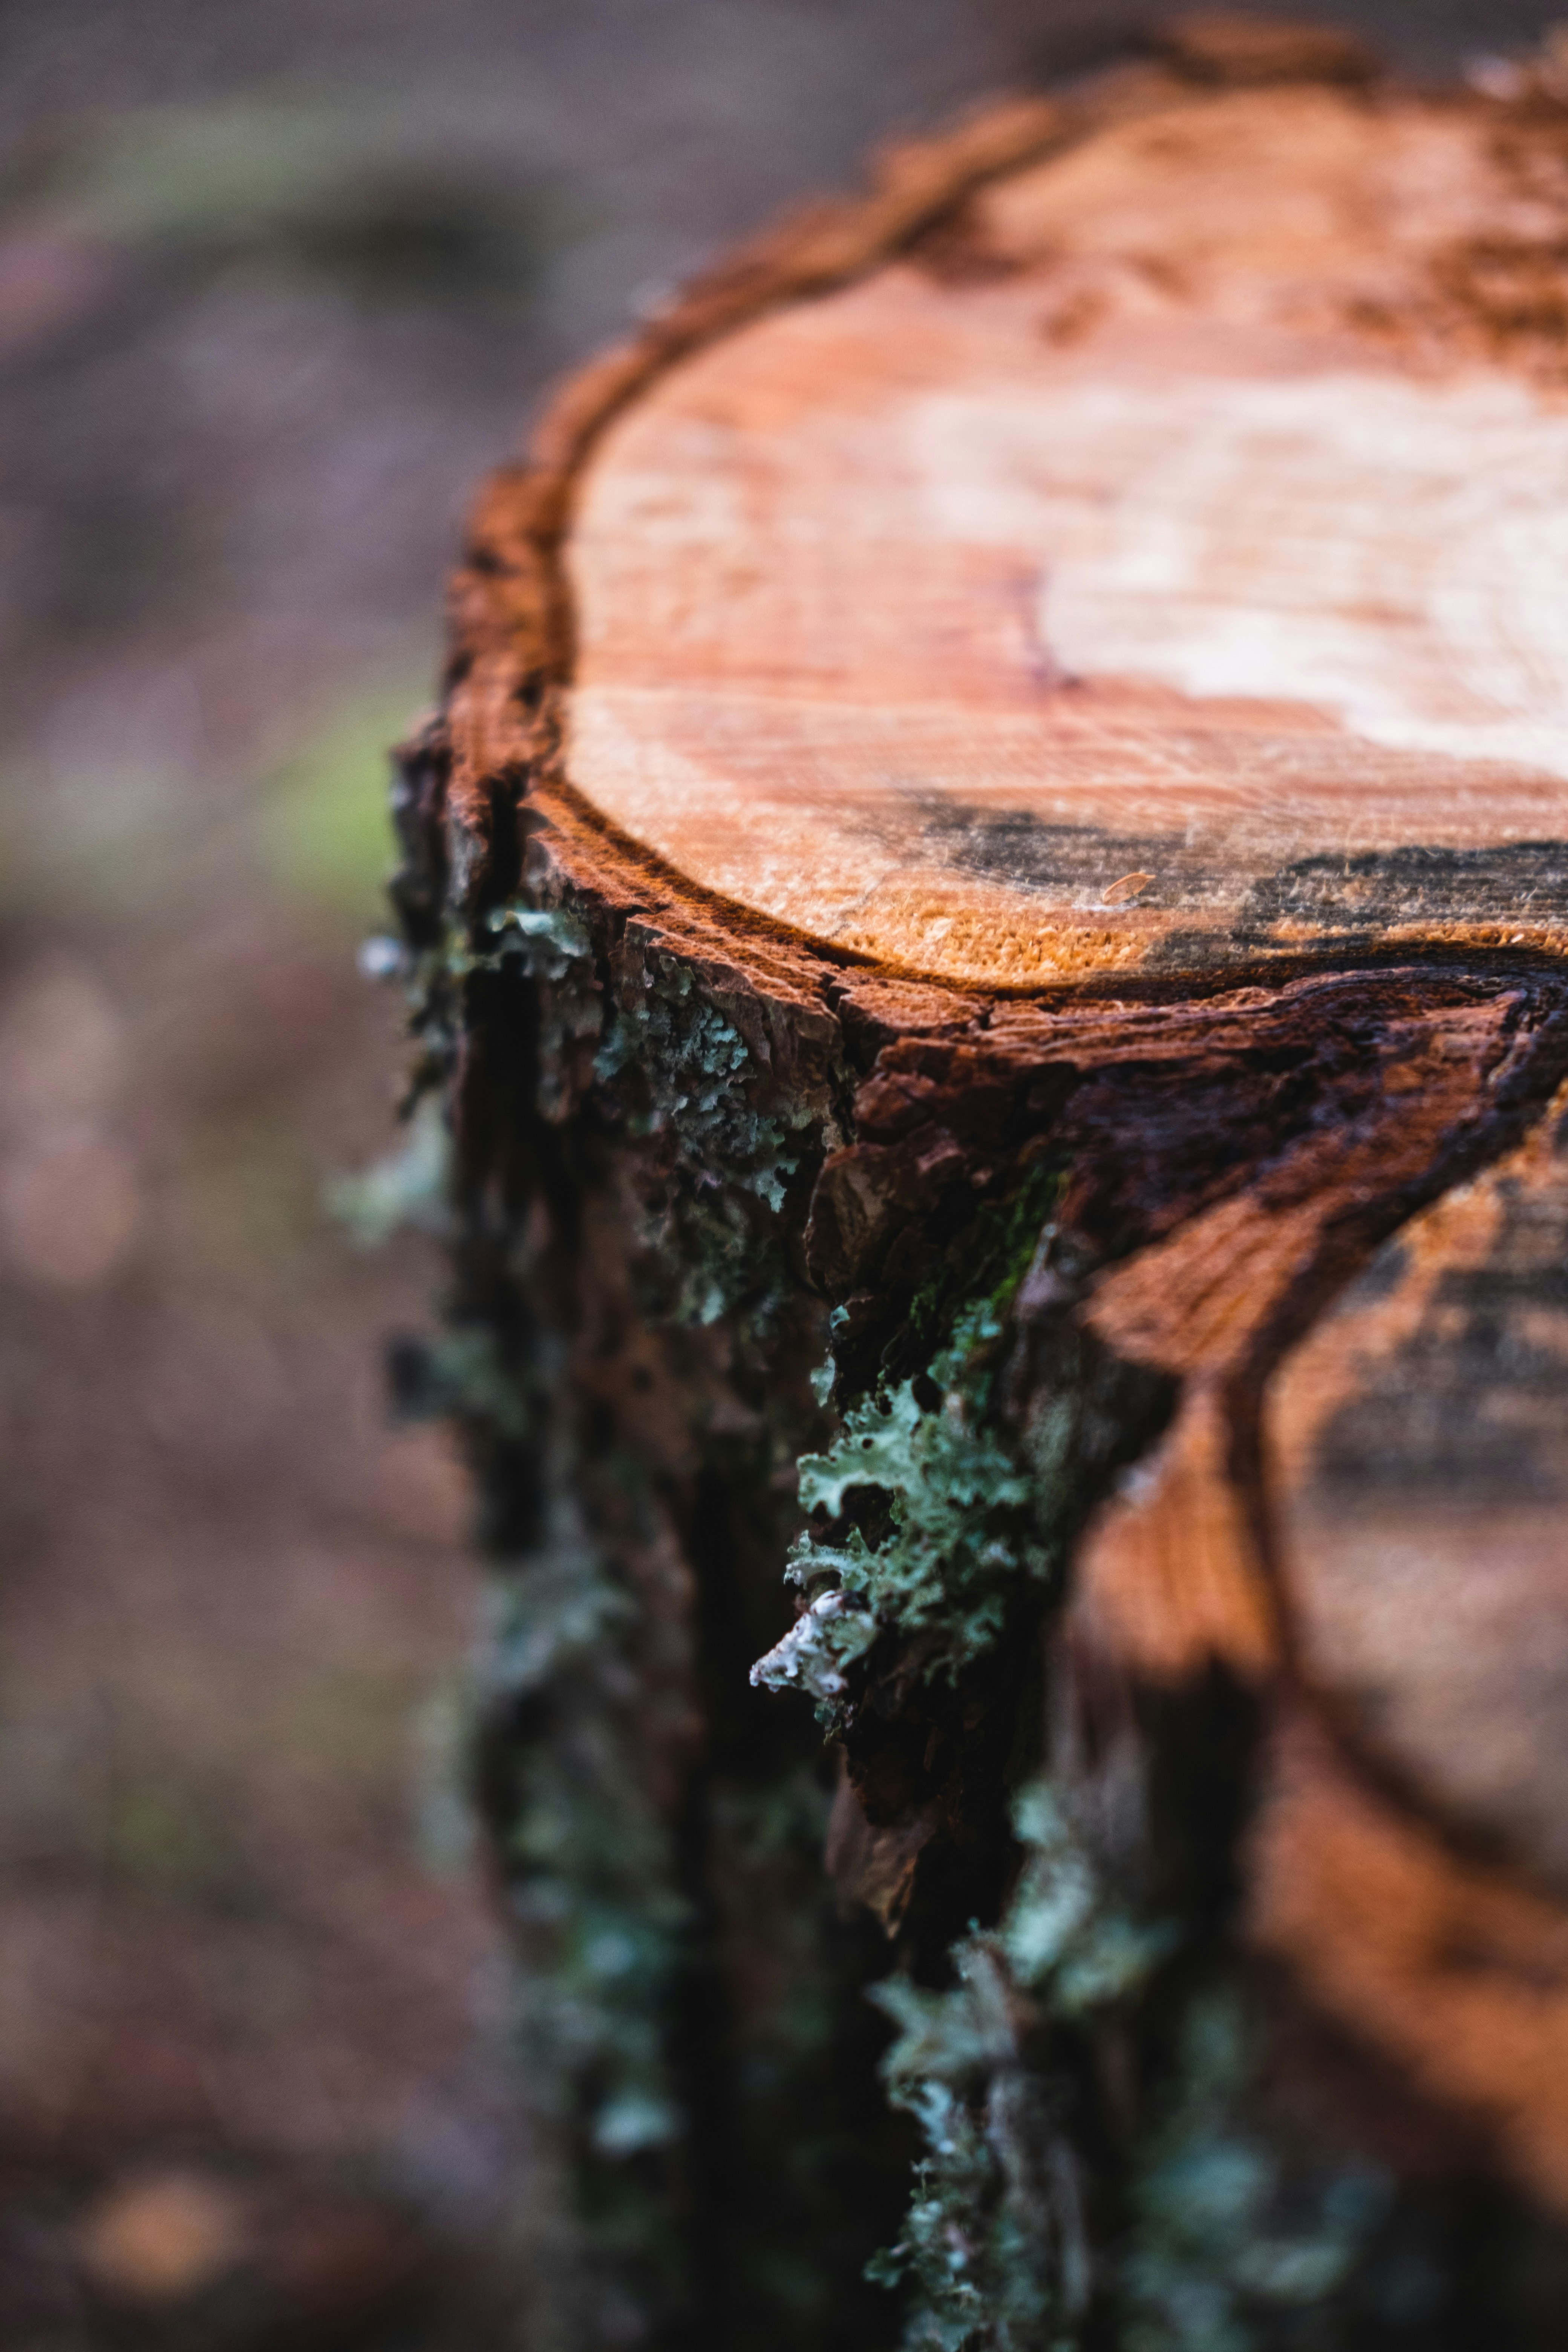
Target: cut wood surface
(1017,742)
(1420,1448)
(1161,566)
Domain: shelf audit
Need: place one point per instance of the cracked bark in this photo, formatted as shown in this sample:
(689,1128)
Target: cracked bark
(1005,751)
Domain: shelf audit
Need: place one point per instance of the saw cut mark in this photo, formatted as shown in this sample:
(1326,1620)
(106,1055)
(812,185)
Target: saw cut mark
(1236,566)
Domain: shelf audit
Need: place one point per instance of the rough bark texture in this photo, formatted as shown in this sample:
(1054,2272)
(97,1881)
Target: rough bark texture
(1156,1396)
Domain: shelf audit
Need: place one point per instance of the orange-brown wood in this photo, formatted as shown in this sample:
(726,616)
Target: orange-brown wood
(1419,1462)
(1448,1967)
(1176,1571)
(1161,566)
(1031,638)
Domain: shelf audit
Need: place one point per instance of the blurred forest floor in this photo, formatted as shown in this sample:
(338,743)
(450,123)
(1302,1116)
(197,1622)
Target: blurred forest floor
(276,285)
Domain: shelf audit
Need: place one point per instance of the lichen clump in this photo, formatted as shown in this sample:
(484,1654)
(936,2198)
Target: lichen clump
(957,1539)
(996,2245)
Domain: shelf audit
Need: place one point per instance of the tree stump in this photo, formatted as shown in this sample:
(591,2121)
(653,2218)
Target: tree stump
(989,908)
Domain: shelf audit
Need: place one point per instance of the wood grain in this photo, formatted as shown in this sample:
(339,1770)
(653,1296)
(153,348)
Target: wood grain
(1060,664)
(1420,1465)
(1161,567)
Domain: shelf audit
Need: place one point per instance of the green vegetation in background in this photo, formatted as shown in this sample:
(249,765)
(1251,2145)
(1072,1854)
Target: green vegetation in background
(379,192)
(322,826)
(316,822)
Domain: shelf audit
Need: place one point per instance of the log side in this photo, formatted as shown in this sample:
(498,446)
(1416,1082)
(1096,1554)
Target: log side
(1118,1279)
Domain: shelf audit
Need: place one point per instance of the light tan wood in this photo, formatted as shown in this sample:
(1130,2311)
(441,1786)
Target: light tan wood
(1129,580)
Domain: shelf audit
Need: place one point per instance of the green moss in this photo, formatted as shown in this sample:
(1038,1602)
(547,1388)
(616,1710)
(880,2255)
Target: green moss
(946,1512)
(981,1273)
(942,1517)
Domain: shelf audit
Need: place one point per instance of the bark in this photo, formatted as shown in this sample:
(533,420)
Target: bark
(1133,1323)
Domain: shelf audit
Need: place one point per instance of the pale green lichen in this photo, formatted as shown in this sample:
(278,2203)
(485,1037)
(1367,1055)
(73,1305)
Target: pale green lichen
(695,1063)
(955,1546)
(668,1064)
(408,1189)
(968,1522)
(548,941)
(552,947)
(993,2243)
(1064,1926)
(685,1077)
(590,1866)
(1226,2238)
(589,1863)
(942,1517)
(462,1375)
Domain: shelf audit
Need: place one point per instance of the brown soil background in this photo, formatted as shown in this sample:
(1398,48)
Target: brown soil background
(275,286)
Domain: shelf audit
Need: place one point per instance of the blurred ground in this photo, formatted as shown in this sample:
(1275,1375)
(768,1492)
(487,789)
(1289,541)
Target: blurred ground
(275,286)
